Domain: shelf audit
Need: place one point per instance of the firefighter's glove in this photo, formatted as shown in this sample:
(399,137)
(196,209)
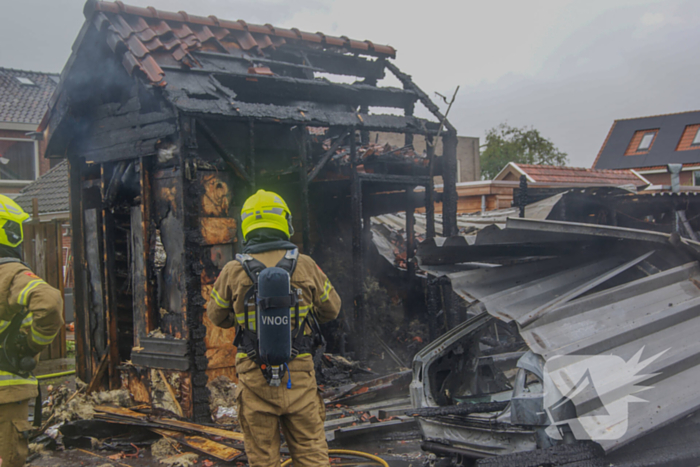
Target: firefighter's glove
(21,355)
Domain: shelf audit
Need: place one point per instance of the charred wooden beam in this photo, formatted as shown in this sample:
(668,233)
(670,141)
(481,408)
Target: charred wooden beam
(449,190)
(327,156)
(422,96)
(430,190)
(82,329)
(410,236)
(280,89)
(334,63)
(229,158)
(395,179)
(304,182)
(293,115)
(251,150)
(357,251)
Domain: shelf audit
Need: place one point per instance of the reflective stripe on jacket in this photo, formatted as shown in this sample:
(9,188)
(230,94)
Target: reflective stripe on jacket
(21,290)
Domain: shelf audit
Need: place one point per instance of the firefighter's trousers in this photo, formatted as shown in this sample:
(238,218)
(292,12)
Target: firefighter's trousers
(299,412)
(14,429)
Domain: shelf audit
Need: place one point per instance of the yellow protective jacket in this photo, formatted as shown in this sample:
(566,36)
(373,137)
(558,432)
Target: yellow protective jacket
(225,308)
(21,289)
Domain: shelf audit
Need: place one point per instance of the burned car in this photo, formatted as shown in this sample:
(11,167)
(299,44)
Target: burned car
(580,342)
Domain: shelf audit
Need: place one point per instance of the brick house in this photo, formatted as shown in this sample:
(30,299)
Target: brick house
(648,144)
(24,97)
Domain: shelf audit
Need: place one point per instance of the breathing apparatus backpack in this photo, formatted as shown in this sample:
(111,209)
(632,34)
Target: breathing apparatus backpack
(274,343)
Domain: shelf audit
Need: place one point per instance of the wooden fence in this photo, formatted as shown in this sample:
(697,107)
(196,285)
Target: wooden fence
(43,252)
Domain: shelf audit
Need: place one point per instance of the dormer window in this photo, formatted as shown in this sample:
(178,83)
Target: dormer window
(641,142)
(696,140)
(25,81)
(646,141)
(690,139)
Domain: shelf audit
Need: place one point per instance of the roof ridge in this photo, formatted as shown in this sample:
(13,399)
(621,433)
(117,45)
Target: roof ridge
(657,115)
(118,7)
(2,68)
(565,167)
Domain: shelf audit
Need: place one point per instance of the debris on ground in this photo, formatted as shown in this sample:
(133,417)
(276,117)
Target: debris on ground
(222,401)
(165,391)
(39,449)
(64,405)
(181,460)
(163,448)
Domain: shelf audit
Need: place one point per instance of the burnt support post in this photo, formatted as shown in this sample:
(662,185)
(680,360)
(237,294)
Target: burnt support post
(522,196)
(304,182)
(449,187)
(357,253)
(364,134)
(251,153)
(83,341)
(408,112)
(430,189)
(410,237)
(433,304)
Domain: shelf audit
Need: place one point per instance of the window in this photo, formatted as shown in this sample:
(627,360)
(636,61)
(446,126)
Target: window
(641,142)
(696,178)
(646,141)
(696,140)
(17,160)
(25,81)
(690,139)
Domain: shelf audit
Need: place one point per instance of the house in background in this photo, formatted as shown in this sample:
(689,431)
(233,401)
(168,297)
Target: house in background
(487,195)
(24,97)
(648,144)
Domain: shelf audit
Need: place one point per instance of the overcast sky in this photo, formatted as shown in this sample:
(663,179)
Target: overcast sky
(567,68)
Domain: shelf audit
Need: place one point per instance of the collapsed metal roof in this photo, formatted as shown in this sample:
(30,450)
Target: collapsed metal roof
(588,290)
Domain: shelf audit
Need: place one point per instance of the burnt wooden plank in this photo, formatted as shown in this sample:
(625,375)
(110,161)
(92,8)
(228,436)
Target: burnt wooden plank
(111,316)
(97,327)
(339,64)
(61,281)
(276,89)
(138,275)
(147,229)
(125,135)
(131,120)
(116,108)
(128,150)
(54,260)
(83,339)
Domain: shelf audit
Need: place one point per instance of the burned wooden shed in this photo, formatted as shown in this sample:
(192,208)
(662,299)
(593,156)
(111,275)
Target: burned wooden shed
(169,121)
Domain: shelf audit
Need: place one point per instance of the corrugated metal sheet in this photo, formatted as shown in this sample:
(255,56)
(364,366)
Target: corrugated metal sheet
(640,300)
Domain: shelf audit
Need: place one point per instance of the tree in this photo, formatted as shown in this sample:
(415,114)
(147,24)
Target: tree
(520,145)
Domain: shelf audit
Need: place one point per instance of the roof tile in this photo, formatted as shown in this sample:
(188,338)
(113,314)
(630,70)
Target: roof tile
(51,190)
(560,174)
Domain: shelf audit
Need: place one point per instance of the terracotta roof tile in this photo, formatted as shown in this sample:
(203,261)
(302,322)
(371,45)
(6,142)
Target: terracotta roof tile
(21,103)
(558,174)
(141,34)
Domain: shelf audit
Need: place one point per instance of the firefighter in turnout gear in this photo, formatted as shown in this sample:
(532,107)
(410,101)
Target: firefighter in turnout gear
(30,318)
(282,393)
